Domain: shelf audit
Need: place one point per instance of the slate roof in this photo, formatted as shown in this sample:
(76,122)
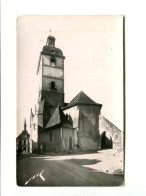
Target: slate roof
(23,133)
(81,98)
(58,118)
(52,37)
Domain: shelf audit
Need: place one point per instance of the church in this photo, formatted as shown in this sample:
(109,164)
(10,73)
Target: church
(60,127)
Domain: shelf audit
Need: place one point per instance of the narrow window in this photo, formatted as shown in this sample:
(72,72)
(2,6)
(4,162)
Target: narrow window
(53,86)
(50,136)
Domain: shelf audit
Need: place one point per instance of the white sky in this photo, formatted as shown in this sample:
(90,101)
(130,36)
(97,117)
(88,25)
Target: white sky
(93,46)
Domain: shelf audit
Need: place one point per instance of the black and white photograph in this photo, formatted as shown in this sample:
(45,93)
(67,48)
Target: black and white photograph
(73,98)
(70,101)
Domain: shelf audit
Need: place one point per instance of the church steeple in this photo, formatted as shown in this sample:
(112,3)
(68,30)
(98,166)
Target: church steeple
(51,72)
(25,124)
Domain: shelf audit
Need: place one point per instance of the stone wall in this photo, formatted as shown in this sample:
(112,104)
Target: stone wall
(57,140)
(110,129)
(52,72)
(46,60)
(89,127)
(50,140)
(46,84)
(66,134)
(54,98)
(85,120)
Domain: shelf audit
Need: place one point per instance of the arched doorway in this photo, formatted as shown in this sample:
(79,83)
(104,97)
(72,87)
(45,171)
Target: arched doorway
(106,141)
(70,143)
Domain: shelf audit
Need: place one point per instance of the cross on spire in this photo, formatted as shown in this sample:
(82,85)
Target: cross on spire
(25,124)
(50,31)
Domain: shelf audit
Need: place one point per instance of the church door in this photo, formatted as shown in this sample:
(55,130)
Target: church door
(70,143)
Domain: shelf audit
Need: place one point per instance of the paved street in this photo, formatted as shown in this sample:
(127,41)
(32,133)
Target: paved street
(97,169)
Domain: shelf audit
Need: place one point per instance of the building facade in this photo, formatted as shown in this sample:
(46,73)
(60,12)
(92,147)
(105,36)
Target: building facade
(23,141)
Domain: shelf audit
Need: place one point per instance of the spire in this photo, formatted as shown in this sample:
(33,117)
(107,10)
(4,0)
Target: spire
(50,39)
(25,124)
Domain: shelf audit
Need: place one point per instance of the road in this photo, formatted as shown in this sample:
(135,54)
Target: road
(96,169)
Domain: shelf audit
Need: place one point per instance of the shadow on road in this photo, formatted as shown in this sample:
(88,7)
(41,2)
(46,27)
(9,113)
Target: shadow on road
(83,161)
(69,172)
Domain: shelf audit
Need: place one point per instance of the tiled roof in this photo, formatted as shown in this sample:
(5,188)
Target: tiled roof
(58,118)
(23,133)
(55,119)
(81,98)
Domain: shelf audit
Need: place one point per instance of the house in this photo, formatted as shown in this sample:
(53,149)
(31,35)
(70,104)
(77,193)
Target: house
(23,141)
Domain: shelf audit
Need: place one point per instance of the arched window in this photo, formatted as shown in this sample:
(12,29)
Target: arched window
(53,86)
(52,61)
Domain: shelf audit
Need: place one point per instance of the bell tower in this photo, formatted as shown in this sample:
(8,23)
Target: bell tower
(51,74)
